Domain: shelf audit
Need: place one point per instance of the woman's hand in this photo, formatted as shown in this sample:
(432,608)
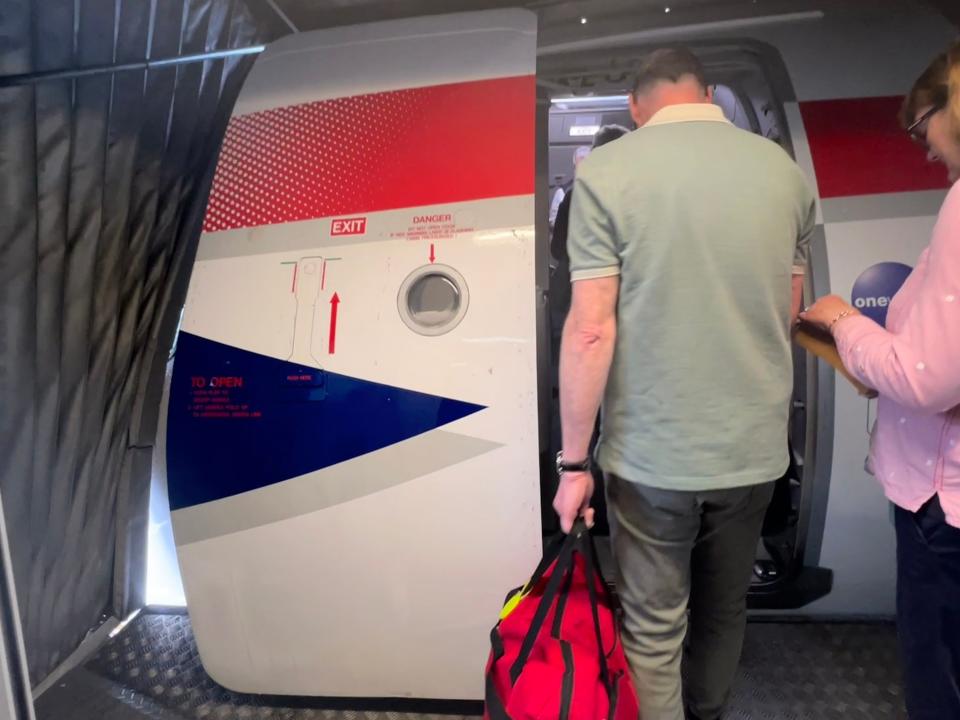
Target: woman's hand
(827,311)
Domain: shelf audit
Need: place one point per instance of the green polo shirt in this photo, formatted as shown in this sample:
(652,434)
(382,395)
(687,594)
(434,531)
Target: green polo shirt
(705,224)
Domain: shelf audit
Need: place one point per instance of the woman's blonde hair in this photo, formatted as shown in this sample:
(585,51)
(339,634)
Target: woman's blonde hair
(938,86)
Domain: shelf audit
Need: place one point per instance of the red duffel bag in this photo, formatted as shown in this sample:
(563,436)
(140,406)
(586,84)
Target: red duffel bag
(556,652)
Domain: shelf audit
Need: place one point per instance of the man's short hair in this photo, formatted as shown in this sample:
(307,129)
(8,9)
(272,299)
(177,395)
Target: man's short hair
(608,133)
(668,65)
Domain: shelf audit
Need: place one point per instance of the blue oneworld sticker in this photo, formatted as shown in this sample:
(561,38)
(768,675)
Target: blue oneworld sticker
(875,288)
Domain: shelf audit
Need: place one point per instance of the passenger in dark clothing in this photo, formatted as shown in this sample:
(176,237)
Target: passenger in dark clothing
(560,277)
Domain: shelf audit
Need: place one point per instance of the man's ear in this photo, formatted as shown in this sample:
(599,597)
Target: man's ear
(636,112)
(709,93)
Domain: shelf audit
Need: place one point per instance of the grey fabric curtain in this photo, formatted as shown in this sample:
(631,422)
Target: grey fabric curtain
(104,178)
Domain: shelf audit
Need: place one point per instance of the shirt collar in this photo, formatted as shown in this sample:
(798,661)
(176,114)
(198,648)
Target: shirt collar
(692,112)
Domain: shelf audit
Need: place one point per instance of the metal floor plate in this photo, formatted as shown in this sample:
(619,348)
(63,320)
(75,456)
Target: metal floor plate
(818,671)
(790,671)
(83,695)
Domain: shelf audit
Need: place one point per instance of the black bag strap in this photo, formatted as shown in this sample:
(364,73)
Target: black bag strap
(550,554)
(614,695)
(593,574)
(494,704)
(561,606)
(562,551)
(566,691)
(592,548)
(611,600)
(564,565)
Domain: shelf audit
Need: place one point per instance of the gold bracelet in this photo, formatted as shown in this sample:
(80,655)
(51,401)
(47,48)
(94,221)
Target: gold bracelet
(838,318)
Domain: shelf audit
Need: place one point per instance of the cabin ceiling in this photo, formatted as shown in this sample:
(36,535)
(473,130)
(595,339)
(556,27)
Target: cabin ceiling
(561,21)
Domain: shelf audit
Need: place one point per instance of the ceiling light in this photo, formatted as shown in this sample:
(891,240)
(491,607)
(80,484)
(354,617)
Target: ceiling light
(583,21)
(589,100)
(671,34)
(666,9)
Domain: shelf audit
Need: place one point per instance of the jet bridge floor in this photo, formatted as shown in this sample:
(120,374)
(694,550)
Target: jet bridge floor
(790,671)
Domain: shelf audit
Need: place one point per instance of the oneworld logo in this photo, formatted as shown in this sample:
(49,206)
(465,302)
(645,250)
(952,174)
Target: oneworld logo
(876,287)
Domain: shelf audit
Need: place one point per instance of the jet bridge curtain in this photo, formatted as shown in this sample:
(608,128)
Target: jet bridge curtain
(109,133)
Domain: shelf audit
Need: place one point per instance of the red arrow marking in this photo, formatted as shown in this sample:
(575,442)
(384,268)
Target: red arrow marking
(334,305)
(433,255)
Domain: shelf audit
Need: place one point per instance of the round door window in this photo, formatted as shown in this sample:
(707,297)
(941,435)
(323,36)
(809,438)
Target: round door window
(433,300)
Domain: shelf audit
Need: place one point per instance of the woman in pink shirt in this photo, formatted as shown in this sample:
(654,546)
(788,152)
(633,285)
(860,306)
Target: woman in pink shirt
(914,364)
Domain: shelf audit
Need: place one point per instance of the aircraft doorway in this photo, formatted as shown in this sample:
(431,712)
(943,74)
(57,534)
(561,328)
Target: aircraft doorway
(587,92)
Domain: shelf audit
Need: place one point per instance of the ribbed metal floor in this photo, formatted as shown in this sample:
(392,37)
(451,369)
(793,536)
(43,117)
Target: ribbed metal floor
(819,671)
(802,671)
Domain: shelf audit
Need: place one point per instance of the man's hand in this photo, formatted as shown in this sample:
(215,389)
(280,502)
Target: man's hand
(573,499)
(586,352)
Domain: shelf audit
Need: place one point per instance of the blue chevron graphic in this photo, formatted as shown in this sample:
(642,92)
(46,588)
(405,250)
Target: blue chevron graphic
(239,421)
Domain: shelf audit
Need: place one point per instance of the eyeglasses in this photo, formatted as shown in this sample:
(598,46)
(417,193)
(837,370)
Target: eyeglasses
(918,129)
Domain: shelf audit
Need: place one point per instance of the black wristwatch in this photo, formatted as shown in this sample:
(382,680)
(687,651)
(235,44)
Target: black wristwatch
(566,467)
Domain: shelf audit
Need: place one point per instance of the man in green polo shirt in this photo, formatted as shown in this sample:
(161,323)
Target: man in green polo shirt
(687,243)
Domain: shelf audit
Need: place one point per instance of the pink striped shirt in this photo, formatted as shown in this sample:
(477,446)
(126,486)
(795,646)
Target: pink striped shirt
(915,366)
